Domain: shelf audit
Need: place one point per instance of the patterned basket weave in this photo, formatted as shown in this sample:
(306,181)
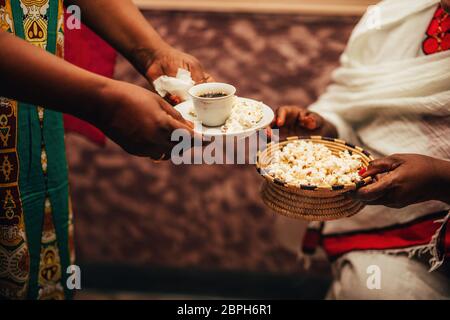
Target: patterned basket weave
(313,203)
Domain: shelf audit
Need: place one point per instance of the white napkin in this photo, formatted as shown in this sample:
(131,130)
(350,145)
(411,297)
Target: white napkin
(176,86)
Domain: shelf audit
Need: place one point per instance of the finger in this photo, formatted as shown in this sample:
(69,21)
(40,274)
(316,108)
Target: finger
(171,69)
(154,72)
(173,124)
(381,166)
(287,116)
(166,154)
(281,115)
(309,123)
(312,121)
(273,124)
(375,190)
(269,132)
(155,153)
(173,112)
(172,99)
(303,117)
(292,118)
(209,78)
(319,120)
(198,75)
(160,153)
(291,122)
(150,148)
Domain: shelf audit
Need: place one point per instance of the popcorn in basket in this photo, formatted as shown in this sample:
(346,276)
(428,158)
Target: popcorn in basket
(308,177)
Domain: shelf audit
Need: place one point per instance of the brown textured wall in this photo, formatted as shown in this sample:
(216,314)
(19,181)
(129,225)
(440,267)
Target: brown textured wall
(131,210)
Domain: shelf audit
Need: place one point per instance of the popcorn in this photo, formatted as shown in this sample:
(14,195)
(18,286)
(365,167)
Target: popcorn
(305,163)
(245,115)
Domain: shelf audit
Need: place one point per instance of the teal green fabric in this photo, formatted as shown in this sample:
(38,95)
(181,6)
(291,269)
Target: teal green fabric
(33,185)
(58,186)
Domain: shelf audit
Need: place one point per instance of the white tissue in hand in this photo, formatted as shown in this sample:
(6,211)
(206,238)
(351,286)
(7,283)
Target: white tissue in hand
(177,86)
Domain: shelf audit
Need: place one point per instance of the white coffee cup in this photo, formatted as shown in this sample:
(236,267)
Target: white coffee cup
(213,111)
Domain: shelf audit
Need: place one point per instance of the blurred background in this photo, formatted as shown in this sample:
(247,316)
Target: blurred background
(146,230)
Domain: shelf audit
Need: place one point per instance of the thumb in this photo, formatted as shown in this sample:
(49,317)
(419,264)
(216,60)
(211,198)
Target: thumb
(375,190)
(154,72)
(308,121)
(381,166)
(198,75)
(173,112)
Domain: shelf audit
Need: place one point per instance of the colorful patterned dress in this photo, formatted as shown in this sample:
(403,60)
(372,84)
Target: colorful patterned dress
(35,213)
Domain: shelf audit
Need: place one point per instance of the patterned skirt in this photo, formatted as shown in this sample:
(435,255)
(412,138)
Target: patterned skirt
(36,232)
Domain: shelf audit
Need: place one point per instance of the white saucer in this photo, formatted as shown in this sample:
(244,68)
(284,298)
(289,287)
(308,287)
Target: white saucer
(186,107)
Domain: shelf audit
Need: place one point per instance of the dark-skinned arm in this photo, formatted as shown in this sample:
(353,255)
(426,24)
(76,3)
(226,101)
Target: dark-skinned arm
(122,25)
(32,75)
(138,120)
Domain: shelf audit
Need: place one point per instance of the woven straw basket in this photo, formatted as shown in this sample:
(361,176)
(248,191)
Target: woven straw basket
(311,203)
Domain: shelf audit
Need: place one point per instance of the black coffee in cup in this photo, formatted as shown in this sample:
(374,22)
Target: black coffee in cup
(213,95)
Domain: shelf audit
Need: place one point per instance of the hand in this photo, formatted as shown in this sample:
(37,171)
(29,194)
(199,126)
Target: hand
(167,61)
(405,179)
(140,121)
(298,121)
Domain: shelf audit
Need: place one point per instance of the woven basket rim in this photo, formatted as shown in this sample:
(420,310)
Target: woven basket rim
(317,139)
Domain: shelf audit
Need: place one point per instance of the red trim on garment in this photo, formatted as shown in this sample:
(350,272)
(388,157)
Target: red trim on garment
(403,236)
(414,233)
(447,239)
(311,241)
